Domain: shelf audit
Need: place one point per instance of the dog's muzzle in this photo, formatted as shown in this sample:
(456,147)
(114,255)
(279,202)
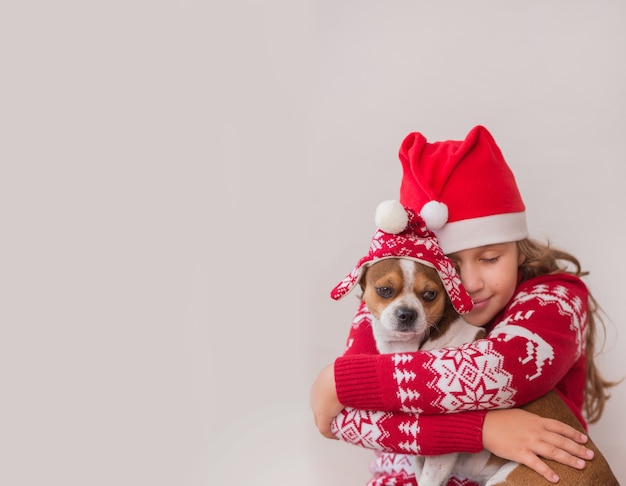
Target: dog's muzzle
(405,319)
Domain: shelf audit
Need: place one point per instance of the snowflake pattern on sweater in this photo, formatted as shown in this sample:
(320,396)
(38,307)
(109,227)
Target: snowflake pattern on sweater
(536,344)
(464,377)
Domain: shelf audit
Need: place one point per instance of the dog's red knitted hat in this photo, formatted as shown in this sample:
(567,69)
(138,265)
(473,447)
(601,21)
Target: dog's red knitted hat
(402,233)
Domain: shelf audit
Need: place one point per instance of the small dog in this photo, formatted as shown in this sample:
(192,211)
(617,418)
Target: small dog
(411,310)
(408,303)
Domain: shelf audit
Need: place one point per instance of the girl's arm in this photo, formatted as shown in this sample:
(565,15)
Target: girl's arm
(513,434)
(556,441)
(408,433)
(536,342)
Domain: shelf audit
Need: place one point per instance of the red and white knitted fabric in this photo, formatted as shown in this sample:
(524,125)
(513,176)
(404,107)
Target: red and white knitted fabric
(434,402)
(397,470)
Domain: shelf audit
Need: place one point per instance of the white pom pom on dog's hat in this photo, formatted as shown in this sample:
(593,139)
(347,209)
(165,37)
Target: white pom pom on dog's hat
(391,217)
(434,214)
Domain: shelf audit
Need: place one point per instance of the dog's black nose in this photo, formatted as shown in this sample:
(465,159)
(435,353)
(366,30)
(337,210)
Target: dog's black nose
(406,317)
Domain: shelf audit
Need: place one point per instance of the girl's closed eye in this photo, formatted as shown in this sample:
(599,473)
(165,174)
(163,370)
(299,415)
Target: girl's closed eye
(490,259)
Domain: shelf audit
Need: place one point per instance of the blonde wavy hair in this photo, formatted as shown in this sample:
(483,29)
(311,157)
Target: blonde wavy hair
(543,259)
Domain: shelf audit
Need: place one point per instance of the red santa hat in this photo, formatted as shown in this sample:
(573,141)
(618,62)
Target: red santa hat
(464,190)
(402,233)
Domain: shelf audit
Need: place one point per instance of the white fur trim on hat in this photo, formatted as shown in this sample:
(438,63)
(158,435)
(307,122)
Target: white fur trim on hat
(488,230)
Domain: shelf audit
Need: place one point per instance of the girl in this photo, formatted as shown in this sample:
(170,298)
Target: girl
(538,313)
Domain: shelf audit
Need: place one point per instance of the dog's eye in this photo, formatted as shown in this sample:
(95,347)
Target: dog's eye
(429,295)
(385,292)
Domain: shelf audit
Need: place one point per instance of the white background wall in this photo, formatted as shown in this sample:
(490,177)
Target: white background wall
(183,182)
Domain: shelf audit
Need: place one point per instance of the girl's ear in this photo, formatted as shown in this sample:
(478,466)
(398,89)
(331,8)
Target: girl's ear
(521,257)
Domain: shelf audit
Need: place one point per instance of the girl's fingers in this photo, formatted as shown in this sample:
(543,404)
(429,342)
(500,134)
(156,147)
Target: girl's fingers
(536,464)
(557,447)
(565,430)
(566,444)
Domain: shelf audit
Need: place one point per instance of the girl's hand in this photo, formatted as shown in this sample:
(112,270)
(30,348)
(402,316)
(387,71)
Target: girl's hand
(324,402)
(524,437)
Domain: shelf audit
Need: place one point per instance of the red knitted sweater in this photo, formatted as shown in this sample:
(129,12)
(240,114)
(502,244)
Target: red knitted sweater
(434,402)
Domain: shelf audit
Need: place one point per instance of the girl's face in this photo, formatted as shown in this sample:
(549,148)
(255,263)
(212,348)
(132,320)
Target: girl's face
(489,274)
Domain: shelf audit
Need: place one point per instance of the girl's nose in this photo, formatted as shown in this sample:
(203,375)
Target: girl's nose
(471,280)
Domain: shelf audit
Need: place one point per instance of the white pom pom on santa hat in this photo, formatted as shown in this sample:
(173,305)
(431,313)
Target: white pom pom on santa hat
(434,214)
(391,217)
